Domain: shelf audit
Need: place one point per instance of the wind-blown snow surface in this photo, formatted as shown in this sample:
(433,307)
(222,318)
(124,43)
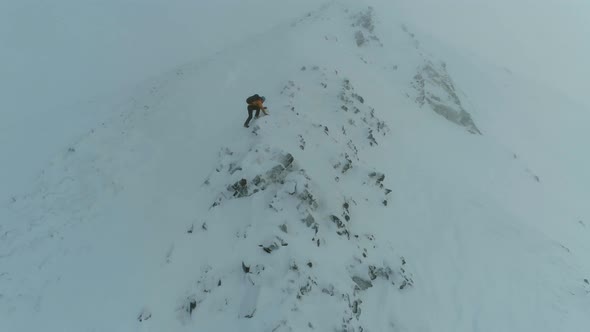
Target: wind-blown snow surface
(395,186)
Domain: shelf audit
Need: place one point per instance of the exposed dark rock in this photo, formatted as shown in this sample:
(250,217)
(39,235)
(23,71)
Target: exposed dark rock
(362,283)
(309,220)
(250,315)
(306,197)
(382,272)
(429,82)
(329,290)
(245,268)
(365,20)
(144,315)
(358,97)
(240,188)
(337,221)
(283,228)
(379,177)
(191,306)
(287,160)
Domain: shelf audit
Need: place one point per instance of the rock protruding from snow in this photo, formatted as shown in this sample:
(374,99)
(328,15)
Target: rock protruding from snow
(306,238)
(436,89)
(364,22)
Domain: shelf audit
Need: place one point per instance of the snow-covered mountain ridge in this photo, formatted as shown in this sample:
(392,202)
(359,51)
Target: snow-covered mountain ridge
(376,196)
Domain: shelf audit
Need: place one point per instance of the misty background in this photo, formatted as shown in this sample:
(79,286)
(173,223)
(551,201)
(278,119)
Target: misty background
(57,57)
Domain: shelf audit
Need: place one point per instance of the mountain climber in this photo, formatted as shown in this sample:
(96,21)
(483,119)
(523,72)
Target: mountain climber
(255,103)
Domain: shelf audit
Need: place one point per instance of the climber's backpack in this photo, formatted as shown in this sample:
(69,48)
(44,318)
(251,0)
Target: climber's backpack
(252,99)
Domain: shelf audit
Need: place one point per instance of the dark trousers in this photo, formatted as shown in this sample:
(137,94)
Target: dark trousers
(251,110)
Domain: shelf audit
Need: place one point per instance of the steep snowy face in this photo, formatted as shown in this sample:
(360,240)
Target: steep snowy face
(376,196)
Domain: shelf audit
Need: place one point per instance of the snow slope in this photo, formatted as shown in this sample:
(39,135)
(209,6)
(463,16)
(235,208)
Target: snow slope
(397,185)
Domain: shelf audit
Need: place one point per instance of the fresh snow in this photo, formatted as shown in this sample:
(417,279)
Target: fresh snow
(398,184)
